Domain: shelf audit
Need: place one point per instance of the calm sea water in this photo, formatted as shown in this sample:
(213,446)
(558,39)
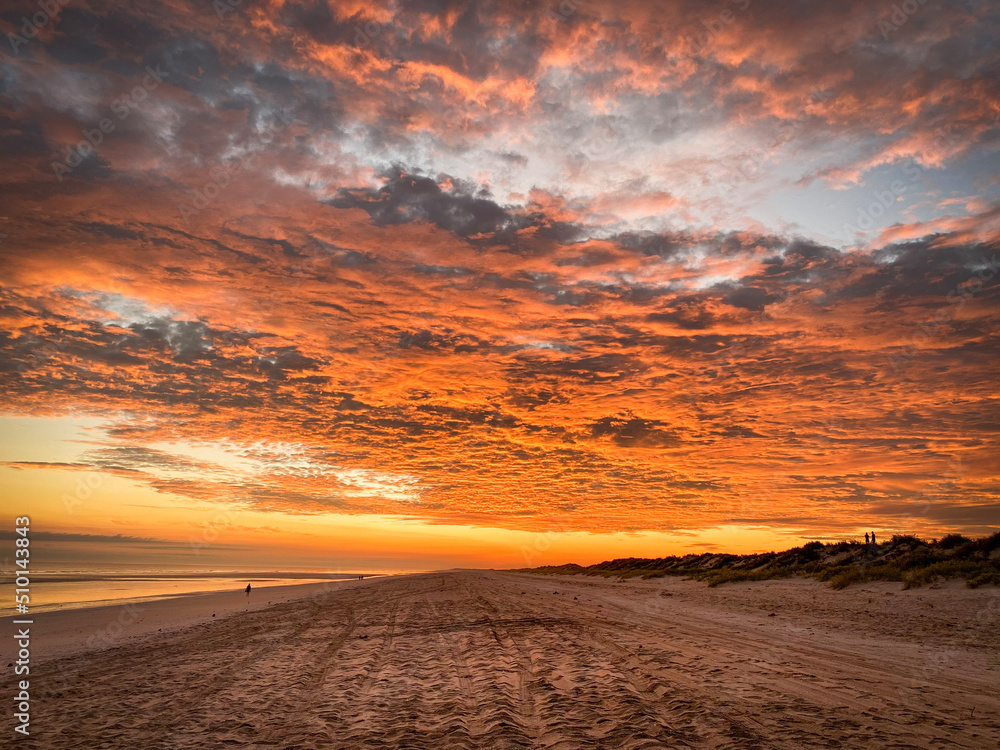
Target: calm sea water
(69,590)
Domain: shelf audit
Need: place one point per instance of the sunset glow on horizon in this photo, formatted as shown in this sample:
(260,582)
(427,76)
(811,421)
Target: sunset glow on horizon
(408,286)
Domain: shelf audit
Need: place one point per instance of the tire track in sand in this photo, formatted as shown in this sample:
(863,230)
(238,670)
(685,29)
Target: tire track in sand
(607,686)
(374,668)
(449,641)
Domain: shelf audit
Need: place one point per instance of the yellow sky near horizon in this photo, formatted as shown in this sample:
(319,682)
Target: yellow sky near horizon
(71,500)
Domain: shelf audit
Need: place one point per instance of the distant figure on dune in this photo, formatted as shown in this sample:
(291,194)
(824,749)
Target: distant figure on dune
(866,539)
(873,538)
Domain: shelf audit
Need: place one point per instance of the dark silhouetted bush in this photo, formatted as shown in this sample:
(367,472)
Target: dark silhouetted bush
(906,558)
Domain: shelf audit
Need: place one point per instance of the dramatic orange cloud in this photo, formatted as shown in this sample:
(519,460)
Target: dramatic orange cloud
(589,269)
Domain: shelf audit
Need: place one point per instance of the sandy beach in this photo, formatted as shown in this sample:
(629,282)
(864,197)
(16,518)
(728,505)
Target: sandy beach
(502,660)
(70,631)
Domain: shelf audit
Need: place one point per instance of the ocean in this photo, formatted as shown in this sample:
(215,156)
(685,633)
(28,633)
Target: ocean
(78,589)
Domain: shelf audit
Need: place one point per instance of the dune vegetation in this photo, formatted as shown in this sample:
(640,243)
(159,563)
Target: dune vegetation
(907,559)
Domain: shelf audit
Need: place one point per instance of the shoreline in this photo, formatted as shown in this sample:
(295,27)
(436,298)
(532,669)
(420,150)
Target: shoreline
(86,593)
(65,632)
(250,575)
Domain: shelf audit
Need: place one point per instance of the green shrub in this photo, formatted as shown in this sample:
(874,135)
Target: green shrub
(953,540)
(915,564)
(845,578)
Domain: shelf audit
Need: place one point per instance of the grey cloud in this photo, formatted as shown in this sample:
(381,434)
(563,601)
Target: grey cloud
(628,430)
(750,298)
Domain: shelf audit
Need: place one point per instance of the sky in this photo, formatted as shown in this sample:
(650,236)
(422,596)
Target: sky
(418,285)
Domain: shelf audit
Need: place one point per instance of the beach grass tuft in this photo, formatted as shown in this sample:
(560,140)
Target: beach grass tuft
(905,558)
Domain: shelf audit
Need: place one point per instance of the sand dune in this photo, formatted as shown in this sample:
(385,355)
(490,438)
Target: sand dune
(502,660)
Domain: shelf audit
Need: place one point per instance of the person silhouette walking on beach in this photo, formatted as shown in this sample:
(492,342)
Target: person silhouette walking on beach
(247,589)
